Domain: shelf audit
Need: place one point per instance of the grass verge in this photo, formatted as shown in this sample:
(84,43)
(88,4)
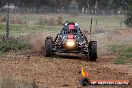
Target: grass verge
(124,54)
(13,44)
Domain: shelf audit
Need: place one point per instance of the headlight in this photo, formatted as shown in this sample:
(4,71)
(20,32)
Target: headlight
(70,43)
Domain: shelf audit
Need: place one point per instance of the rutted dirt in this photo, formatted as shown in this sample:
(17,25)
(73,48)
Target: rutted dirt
(62,70)
(58,72)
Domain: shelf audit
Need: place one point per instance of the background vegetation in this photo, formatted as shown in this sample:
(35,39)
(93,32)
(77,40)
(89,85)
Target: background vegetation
(129,15)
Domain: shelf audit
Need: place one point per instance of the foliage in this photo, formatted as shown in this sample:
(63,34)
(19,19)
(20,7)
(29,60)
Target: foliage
(59,20)
(125,56)
(50,21)
(124,53)
(2,19)
(13,44)
(59,4)
(128,21)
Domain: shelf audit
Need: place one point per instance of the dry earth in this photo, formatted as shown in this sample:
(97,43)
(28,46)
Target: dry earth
(64,70)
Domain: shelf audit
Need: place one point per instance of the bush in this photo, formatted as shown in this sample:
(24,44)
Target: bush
(2,19)
(70,21)
(17,20)
(59,20)
(13,44)
(42,21)
(50,21)
(128,21)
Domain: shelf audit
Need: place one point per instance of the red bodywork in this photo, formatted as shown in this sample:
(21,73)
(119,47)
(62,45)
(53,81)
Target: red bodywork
(70,36)
(71,27)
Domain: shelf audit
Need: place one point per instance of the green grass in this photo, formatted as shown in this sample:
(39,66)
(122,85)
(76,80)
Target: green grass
(2,28)
(124,54)
(105,22)
(13,44)
(18,29)
(117,48)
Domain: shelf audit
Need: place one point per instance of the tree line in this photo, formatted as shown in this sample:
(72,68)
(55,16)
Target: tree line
(90,5)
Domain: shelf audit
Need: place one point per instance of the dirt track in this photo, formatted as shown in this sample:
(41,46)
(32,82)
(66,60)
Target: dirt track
(62,70)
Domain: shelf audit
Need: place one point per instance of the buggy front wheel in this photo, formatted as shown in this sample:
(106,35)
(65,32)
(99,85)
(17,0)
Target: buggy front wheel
(92,50)
(48,46)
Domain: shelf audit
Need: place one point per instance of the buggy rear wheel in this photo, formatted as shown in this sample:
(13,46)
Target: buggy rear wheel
(48,46)
(92,50)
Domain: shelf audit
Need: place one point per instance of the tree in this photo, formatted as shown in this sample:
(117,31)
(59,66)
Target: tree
(90,6)
(128,21)
(0,4)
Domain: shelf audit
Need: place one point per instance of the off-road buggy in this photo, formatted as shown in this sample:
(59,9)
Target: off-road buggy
(71,40)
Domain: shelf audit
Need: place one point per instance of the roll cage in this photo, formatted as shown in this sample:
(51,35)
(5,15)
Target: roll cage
(75,30)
